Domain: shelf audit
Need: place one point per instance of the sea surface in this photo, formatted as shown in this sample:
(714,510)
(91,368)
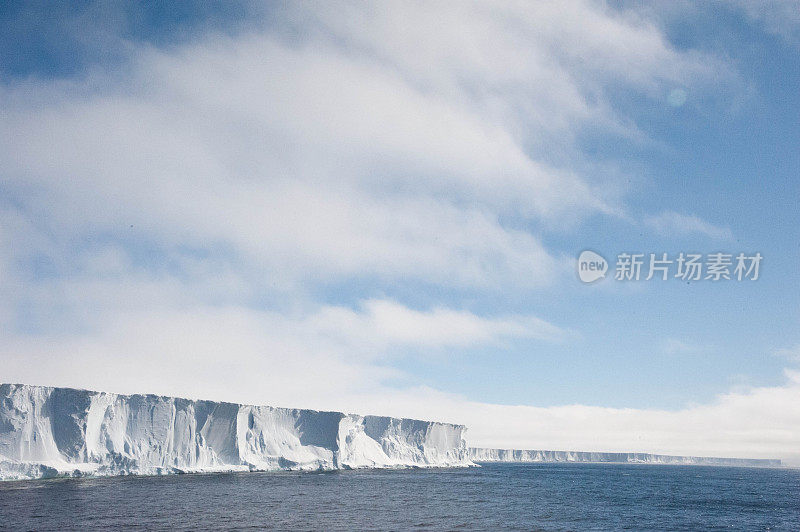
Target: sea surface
(492,497)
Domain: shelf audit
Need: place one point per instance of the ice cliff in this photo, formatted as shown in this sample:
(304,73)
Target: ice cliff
(48,432)
(519,455)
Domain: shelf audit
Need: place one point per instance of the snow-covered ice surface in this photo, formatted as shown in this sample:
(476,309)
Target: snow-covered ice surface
(47,432)
(520,455)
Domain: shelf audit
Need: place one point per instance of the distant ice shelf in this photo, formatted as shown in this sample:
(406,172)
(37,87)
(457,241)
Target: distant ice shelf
(522,455)
(49,432)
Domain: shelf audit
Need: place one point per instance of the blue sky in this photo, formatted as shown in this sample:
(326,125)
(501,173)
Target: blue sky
(378,208)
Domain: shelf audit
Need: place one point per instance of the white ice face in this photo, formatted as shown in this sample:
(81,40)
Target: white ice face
(61,431)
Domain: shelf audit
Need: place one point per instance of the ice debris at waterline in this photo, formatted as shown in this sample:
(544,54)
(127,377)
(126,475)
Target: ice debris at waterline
(47,432)
(520,455)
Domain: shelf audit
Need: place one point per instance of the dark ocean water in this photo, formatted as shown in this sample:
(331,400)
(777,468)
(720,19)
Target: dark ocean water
(495,496)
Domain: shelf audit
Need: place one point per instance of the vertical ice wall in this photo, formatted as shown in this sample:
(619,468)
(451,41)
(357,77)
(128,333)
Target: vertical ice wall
(53,431)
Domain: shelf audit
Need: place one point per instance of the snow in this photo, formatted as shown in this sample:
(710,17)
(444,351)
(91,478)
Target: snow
(520,455)
(46,432)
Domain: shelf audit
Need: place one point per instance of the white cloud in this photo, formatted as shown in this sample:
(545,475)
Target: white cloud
(394,147)
(302,357)
(385,323)
(671,223)
(756,423)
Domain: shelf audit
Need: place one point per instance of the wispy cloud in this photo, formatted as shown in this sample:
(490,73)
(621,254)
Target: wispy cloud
(388,322)
(671,223)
